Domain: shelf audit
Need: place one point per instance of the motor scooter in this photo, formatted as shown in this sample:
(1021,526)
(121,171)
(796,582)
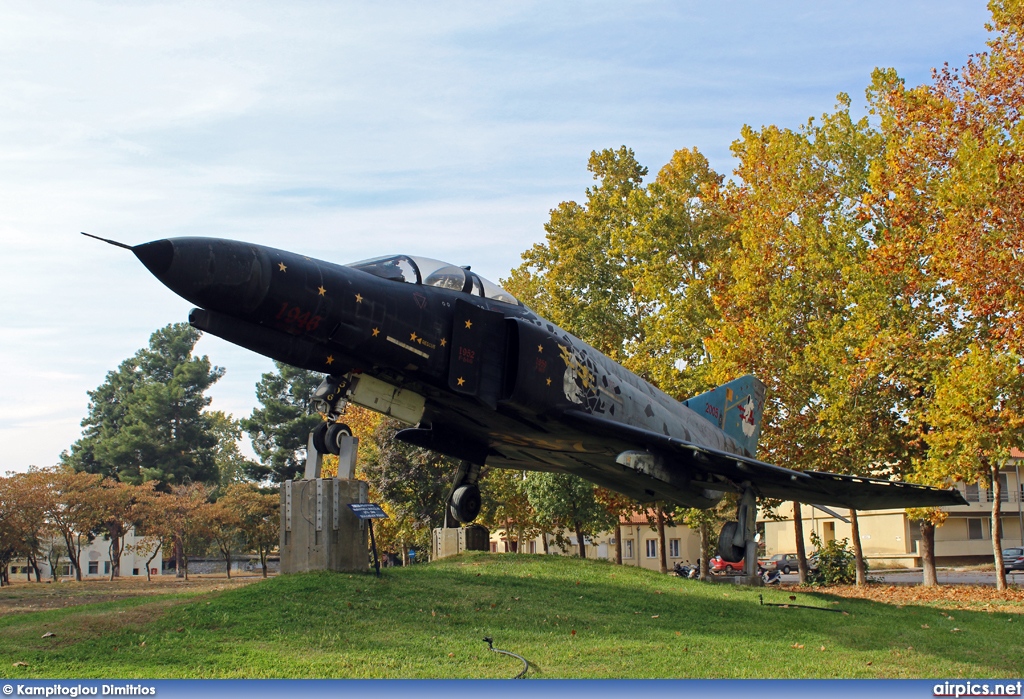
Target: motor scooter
(686,571)
(769,577)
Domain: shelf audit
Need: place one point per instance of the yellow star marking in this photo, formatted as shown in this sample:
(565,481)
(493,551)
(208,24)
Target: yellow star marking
(540,348)
(376,332)
(359,298)
(461,380)
(469,324)
(413,337)
(444,342)
(549,382)
(281,266)
(330,359)
(323,291)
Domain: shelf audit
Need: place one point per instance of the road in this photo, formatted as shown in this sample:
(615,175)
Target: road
(946,576)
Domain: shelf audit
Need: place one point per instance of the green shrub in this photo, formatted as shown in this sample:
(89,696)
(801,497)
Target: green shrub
(836,563)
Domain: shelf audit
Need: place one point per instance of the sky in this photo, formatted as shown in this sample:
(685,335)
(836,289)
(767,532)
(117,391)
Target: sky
(347,130)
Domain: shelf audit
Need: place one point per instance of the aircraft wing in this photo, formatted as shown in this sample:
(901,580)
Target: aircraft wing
(768,480)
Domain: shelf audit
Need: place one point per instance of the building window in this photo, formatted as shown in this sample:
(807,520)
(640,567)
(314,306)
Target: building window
(533,547)
(106,567)
(135,571)
(673,548)
(94,567)
(975,528)
(971,493)
(611,541)
(494,547)
(652,548)
(628,553)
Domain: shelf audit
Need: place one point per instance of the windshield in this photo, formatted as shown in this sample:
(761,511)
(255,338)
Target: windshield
(423,270)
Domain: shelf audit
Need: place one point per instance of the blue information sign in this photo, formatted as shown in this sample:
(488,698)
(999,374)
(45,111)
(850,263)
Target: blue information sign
(367,510)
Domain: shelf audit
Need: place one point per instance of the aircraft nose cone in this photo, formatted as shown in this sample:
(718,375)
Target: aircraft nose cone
(221,275)
(156,256)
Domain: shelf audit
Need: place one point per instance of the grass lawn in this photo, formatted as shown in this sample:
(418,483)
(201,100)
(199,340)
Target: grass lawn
(569,618)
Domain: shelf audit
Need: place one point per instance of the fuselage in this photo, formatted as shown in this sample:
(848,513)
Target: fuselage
(493,375)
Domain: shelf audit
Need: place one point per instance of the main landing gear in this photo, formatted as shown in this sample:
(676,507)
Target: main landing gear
(464,497)
(736,542)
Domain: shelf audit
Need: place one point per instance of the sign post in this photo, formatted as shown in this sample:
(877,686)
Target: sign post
(370,511)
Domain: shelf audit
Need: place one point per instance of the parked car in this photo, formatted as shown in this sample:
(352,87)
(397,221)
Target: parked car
(719,565)
(1013,559)
(783,562)
(787,563)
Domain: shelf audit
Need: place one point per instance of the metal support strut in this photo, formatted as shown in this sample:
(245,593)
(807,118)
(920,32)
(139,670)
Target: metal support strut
(736,542)
(747,530)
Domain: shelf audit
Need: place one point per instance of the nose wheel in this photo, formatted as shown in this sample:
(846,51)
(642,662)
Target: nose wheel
(327,437)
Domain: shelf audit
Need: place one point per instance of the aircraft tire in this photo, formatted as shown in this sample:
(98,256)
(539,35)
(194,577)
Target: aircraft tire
(728,552)
(466,503)
(333,437)
(320,438)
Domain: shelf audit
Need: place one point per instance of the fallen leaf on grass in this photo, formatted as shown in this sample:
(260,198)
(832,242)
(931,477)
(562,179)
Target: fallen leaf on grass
(49,634)
(954,630)
(925,626)
(573,632)
(655,616)
(798,645)
(822,648)
(451,655)
(20,664)
(869,662)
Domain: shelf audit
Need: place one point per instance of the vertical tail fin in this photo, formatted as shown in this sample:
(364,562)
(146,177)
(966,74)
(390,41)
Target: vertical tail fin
(736,408)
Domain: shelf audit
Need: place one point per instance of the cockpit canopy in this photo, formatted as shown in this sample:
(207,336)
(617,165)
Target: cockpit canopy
(423,270)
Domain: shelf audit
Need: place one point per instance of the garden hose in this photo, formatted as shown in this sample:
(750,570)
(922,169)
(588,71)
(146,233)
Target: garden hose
(526,665)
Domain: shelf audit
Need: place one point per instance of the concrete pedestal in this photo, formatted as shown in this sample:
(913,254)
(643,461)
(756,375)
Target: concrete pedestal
(450,541)
(318,530)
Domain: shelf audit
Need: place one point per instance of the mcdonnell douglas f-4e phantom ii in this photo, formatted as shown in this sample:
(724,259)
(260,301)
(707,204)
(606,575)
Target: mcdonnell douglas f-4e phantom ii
(482,378)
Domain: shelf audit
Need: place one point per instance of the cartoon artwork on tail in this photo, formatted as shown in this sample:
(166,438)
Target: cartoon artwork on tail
(735,408)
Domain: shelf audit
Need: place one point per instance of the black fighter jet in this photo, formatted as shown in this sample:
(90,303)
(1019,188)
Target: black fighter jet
(480,377)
